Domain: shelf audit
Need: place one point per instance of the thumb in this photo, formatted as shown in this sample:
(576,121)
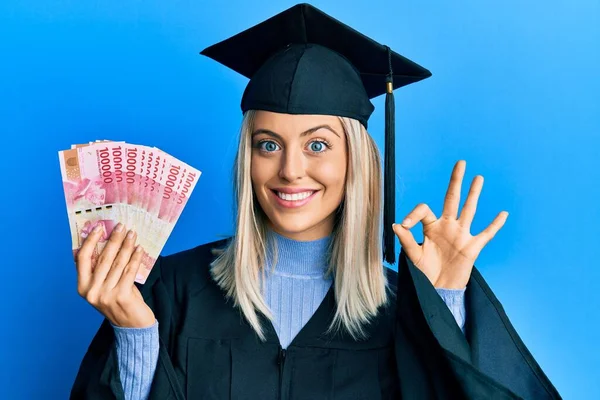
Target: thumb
(408,242)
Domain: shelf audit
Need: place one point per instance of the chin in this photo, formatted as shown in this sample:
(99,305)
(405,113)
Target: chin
(293,224)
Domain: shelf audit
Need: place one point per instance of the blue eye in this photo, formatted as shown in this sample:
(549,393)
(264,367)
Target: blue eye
(317,146)
(270,146)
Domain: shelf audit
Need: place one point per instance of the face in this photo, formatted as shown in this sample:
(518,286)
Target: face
(299,172)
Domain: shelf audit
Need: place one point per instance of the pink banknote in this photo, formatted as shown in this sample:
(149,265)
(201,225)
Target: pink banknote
(185,185)
(132,178)
(87,178)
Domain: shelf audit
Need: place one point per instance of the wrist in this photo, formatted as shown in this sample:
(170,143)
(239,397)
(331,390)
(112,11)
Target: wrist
(135,327)
(451,285)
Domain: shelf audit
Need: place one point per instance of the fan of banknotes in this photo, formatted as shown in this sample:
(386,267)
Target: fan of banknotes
(107,182)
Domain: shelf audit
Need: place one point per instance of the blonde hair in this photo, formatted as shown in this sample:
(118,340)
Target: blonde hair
(356,261)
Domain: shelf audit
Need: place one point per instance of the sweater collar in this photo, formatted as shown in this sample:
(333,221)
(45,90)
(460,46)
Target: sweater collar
(295,257)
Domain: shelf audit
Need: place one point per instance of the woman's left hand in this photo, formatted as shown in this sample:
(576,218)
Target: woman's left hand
(448,252)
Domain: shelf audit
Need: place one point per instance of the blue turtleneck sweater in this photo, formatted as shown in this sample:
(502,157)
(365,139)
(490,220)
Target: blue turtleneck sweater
(293,289)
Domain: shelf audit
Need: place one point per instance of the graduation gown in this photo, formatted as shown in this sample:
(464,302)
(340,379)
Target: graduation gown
(415,349)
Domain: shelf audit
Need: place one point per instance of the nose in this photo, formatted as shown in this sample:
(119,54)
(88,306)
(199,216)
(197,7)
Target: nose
(292,164)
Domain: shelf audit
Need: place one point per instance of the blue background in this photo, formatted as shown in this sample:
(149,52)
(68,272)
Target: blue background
(515,92)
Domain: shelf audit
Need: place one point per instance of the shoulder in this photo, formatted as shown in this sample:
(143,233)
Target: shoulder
(185,271)
(191,261)
(391,275)
(387,310)
(392,292)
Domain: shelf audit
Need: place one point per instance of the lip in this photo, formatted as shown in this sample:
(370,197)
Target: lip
(293,204)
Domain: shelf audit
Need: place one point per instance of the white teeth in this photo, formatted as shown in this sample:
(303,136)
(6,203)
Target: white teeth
(295,196)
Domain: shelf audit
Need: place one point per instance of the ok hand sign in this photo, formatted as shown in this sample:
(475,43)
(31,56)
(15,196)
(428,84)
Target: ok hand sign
(449,250)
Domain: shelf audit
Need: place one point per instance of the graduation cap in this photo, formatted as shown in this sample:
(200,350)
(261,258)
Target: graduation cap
(303,61)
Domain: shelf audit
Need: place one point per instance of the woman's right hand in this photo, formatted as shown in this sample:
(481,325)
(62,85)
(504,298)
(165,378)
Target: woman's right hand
(110,286)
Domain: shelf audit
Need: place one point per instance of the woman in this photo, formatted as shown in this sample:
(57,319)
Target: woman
(297,304)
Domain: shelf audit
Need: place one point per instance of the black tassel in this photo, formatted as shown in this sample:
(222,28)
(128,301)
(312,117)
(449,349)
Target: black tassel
(389,206)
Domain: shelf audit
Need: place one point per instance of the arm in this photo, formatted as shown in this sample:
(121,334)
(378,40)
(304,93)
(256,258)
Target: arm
(488,361)
(137,354)
(99,377)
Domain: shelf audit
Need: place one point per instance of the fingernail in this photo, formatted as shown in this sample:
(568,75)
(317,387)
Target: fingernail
(96,229)
(119,227)
(406,222)
(138,248)
(130,235)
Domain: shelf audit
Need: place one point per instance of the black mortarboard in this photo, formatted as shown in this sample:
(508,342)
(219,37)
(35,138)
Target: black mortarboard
(303,61)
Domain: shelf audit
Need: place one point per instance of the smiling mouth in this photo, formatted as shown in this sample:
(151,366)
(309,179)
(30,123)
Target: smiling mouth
(294,197)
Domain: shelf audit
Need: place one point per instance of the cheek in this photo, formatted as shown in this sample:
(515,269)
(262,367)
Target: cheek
(261,171)
(332,175)
(256,171)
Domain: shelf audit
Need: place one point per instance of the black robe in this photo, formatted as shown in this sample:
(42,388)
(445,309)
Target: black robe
(415,349)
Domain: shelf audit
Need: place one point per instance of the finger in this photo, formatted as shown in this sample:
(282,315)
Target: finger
(128,276)
(107,257)
(488,233)
(470,207)
(453,193)
(121,261)
(83,259)
(421,213)
(408,243)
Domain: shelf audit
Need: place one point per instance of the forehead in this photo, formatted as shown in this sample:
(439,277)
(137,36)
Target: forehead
(294,124)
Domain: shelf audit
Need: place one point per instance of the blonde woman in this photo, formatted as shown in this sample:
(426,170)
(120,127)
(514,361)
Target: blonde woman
(297,303)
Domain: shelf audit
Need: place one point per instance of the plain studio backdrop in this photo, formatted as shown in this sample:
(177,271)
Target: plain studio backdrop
(515,91)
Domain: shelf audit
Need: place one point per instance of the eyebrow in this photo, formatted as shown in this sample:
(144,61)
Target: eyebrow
(305,133)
